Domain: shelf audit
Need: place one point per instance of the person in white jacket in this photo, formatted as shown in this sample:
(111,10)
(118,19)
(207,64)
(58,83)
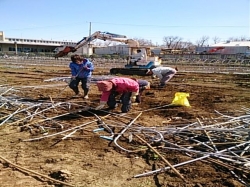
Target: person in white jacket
(137,57)
(163,73)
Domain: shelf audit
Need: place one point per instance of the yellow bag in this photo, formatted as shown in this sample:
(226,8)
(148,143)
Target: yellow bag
(180,99)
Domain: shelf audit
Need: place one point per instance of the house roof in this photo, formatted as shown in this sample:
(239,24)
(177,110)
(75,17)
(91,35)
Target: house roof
(232,44)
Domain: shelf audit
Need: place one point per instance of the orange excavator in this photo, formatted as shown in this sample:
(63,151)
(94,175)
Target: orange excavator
(97,35)
(65,51)
(144,58)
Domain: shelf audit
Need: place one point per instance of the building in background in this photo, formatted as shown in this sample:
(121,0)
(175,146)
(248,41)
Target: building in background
(22,45)
(226,48)
(122,49)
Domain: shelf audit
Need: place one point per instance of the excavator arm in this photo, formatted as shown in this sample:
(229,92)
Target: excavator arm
(98,35)
(129,69)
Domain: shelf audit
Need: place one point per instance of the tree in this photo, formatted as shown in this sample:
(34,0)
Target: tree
(171,41)
(235,39)
(243,38)
(178,43)
(143,42)
(216,39)
(187,46)
(202,41)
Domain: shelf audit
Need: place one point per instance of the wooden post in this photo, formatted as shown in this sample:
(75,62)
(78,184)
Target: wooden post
(177,172)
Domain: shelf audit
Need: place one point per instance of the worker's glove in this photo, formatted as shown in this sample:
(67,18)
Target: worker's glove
(85,67)
(133,96)
(138,99)
(101,105)
(147,87)
(153,76)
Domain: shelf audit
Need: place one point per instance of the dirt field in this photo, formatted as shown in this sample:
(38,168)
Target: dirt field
(34,110)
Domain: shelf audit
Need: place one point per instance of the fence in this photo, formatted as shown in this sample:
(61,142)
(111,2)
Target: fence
(183,64)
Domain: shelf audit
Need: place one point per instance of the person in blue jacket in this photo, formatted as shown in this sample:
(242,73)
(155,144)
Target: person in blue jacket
(81,71)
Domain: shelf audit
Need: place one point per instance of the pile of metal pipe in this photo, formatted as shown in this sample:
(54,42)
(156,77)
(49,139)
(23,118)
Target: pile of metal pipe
(223,139)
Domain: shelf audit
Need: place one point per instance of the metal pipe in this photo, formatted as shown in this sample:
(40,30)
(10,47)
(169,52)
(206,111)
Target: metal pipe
(124,130)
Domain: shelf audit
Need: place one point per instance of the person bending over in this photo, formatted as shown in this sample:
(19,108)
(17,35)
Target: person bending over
(127,88)
(163,73)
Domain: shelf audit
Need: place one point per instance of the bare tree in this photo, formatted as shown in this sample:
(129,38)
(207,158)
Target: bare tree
(235,39)
(202,41)
(187,46)
(232,39)
(143,42)
(216,39)
(178,43)
(243,38)
(170,41)
(240,38)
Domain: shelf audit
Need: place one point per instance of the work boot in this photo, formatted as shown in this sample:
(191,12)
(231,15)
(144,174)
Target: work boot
(76,91)
(112,107)
(162,85)
(85,97)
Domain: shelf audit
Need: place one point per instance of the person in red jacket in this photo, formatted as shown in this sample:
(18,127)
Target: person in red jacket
(126,87)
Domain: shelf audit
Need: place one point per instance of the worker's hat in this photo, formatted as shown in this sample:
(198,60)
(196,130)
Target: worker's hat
(104,86)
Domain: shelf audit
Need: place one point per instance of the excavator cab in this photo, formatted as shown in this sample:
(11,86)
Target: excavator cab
(65,51)
(137,55)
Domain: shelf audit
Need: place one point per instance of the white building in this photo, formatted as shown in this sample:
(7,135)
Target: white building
(122,49)
(232,44)
(227,48)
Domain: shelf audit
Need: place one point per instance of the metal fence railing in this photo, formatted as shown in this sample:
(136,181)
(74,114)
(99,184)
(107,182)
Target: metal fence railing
(183,64)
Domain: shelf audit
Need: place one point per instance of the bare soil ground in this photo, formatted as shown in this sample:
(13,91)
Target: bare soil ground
(85,159)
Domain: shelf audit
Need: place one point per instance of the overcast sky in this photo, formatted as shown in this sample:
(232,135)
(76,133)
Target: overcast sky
(148,19)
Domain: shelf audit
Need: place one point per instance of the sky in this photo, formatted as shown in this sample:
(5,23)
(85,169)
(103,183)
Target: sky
(71,20)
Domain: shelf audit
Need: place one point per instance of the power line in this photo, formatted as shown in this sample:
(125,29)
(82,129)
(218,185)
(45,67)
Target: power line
(137,25)
(167,26)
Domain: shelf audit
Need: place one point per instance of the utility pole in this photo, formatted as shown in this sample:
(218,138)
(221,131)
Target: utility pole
(89,41)
(89,28)
(249,17)
(15,43)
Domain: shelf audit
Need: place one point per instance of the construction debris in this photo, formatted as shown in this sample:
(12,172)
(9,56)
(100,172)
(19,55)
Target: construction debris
(224,140)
